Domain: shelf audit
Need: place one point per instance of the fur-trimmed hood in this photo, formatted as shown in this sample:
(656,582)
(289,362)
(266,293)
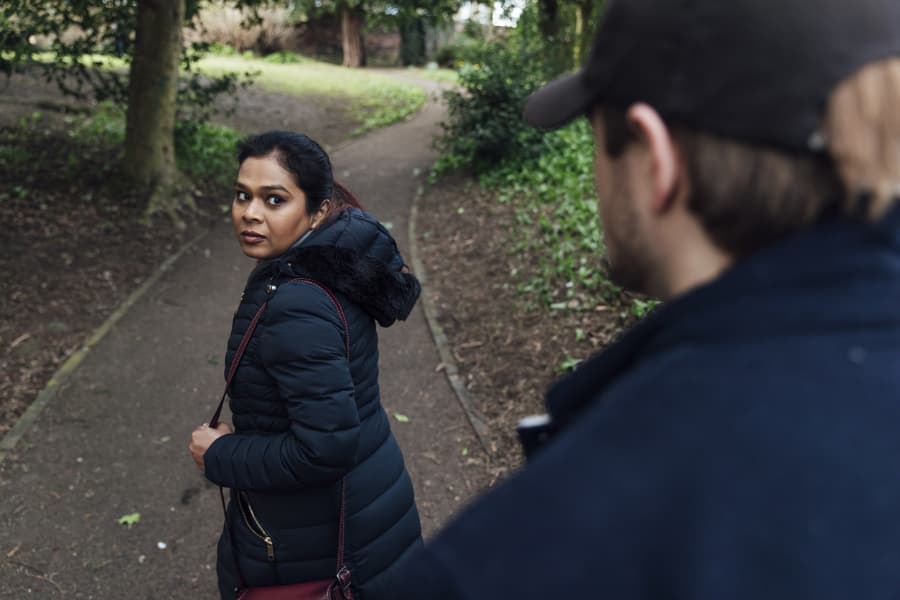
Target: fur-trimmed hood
(357,257)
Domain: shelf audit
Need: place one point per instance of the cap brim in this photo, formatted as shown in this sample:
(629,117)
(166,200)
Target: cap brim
(558,102)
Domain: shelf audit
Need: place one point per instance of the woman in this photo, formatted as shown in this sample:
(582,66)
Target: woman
(305,415)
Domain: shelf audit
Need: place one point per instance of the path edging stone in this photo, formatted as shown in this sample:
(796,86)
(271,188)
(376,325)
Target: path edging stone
(476,420)
(9,441)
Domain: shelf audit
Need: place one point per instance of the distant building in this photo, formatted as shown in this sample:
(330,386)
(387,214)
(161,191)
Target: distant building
(498,17)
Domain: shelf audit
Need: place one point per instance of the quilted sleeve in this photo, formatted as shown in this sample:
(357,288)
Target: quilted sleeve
(304,349)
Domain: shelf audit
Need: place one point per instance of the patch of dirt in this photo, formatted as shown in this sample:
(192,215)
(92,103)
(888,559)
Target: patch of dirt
(72,247)
(507,348)
(326,120)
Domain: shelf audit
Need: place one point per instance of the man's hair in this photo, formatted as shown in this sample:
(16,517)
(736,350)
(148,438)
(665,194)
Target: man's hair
(862,129)
(747,196)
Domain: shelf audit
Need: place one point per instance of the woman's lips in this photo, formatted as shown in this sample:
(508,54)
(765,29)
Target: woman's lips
(250,237)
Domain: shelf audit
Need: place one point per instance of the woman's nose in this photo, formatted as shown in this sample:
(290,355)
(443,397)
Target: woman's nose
(252,212)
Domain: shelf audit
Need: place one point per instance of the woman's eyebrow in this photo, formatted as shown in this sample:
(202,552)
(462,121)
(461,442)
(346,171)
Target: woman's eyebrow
(268,188)
(275,187)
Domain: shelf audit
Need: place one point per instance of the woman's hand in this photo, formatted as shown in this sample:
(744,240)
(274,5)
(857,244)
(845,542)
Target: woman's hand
(202,439)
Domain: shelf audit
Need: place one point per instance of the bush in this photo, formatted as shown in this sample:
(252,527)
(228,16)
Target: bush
(284,57)
(203,151)
(104,127)
(220,49)
(207,152)
(464,50)
(485,125)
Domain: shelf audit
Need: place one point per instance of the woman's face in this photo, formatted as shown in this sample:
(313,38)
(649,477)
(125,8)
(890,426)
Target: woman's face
(269,210)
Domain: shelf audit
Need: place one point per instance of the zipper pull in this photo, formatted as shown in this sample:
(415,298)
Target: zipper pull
(270,548)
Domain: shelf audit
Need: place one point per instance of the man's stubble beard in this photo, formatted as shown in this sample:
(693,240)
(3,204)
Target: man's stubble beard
(628,258)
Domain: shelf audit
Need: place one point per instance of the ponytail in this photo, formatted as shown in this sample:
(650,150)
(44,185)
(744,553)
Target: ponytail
(344,198)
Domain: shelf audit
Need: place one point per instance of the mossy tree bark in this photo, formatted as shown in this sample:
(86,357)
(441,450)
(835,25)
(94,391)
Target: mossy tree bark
(352,36)
(152,91)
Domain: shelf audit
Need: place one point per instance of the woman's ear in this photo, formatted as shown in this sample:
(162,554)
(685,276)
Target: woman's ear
(319,216)
(649,127)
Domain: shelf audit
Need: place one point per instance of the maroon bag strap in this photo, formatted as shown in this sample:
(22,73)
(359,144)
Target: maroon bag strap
(343,573)
(239,353)
(232,369)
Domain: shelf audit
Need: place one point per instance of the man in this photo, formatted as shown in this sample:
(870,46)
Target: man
(743,441)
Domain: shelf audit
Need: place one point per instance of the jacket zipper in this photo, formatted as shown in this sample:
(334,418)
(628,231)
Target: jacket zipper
(259,531)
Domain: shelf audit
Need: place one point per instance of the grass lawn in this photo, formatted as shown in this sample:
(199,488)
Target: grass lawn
(375,100)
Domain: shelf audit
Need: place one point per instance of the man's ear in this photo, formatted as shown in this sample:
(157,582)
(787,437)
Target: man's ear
(649,127)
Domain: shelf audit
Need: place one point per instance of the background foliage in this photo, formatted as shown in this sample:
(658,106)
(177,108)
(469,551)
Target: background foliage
(546,177)
(85,47)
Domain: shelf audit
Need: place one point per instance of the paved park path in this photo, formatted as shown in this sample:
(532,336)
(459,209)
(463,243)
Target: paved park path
(114,439)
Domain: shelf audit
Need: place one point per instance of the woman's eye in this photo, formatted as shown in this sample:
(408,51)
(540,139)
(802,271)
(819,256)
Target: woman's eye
(241,196)
(274,200)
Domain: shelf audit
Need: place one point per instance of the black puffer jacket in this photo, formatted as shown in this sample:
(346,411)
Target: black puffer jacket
(305,416)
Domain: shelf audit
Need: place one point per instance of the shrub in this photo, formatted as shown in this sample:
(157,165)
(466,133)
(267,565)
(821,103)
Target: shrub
(207,152)
(220,49)
(284,57)
(103,127)
(485,125)
(203,151)
(464,50)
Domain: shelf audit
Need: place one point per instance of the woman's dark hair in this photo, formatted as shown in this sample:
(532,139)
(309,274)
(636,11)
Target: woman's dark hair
(307,163)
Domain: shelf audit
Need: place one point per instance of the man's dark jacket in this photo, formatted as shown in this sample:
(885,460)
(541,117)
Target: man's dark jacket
(743,442)
(305,416)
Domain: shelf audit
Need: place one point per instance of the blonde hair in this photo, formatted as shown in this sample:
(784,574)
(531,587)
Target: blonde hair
(862,132)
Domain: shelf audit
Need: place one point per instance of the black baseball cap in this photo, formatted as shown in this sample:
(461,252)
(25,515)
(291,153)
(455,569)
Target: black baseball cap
(753,70)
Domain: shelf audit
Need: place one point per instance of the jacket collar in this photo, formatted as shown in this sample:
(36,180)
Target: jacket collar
(354,256)
(799,284)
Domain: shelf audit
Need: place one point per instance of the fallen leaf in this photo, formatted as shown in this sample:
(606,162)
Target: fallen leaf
(129,520)
(13,552)
(19,340)
(401,418)
(471,345)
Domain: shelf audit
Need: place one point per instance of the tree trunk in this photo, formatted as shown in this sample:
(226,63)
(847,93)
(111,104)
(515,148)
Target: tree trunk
(351,36)
(152,90)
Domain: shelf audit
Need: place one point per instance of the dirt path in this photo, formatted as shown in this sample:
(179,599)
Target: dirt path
(113,441)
